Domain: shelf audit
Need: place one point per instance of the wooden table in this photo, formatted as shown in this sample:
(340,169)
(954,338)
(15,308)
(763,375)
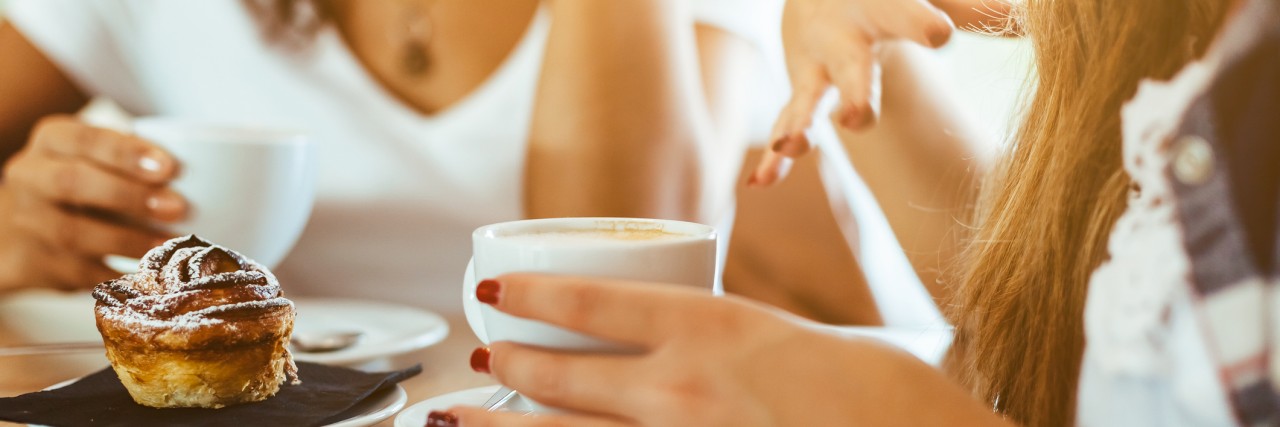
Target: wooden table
(444,367)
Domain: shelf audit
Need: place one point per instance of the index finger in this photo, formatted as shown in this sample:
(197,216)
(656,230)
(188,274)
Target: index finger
(625,312)
(123,153)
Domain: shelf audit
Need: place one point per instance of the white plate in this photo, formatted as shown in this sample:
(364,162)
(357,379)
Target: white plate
(375,408)
(372,410)
(388,329)
(416,415)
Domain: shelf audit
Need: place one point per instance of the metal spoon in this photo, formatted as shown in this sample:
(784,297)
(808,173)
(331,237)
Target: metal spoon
(323,341)
(499,399)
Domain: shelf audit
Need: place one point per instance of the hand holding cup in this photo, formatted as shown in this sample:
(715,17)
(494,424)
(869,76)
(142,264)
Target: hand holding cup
(628,249)
(76,193)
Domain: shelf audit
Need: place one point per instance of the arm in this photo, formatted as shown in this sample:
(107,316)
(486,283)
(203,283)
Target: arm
(744,365)
(625,124)
(69,193)
(31,87)
(921,161)
(788,250)
(835,43)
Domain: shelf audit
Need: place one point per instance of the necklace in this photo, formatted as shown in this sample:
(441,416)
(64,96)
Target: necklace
(415,56)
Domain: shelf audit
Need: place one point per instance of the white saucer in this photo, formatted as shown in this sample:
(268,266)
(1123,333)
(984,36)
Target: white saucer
(388,329)
(372,410)
(416,415)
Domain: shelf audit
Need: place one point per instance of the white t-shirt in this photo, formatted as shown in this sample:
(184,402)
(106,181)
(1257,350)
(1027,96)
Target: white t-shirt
(398,192)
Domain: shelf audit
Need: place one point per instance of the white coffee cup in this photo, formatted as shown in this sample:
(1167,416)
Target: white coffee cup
(620,248)
(250,188)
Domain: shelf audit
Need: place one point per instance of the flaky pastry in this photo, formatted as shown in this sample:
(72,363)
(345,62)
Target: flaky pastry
(198,325)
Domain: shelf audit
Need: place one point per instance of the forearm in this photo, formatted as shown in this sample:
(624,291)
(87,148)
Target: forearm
(31,87)
(620,127)
(921,163)
(824,377)
(905,391)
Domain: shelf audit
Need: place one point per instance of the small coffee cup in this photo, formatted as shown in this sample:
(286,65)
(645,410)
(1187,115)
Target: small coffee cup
(249,187)
(620,248)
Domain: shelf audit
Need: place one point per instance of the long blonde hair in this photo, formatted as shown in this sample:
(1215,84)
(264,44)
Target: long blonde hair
(1046,211)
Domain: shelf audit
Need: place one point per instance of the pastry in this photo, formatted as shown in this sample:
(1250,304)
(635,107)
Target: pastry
(198,325)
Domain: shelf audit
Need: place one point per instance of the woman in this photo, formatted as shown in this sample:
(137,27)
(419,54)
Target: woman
(1195,247)
(431,117)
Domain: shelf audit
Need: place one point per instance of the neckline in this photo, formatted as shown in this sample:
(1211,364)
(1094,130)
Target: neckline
(364,78)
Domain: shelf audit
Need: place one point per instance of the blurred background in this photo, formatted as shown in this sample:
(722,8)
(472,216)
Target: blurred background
(985,76)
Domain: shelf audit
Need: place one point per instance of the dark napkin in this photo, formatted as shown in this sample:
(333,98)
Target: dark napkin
(100,400)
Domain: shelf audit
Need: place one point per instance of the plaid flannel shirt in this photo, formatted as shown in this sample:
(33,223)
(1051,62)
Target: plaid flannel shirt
(1226,177)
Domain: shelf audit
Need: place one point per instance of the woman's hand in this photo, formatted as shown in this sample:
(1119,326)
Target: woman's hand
(835,43)
(706,361)
(76,193)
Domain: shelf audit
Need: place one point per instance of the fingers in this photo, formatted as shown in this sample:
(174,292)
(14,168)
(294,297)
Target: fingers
(66,270)
(809,82)
(476,417)
(575,381)
(124,154)
(635,313)
(772,169)
(81,234)
(78,273)
(917,20)
(75,182)
(853,71)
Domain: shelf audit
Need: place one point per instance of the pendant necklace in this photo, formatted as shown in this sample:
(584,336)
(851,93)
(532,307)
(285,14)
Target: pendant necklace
(415,55)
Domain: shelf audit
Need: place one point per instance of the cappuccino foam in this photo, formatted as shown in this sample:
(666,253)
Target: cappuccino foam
(587,236)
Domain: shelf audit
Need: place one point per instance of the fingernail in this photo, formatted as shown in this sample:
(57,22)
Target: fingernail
(752,181)
(939,38)
(152,162)
(480,360)
(939,35)
(792,145)
(785,145)
(779,144)
(487,291)
(165,205)
(442,419)
(852,118)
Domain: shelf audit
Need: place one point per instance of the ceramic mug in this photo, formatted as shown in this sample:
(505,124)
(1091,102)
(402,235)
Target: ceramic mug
(621,248)
(249,188)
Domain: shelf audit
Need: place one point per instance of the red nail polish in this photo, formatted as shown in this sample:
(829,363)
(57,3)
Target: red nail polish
(441,419)
(480,360)
(939,37)
(487,291)
(779,145)
(851,118)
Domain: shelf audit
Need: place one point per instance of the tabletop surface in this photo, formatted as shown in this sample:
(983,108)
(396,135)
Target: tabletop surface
(445,365)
